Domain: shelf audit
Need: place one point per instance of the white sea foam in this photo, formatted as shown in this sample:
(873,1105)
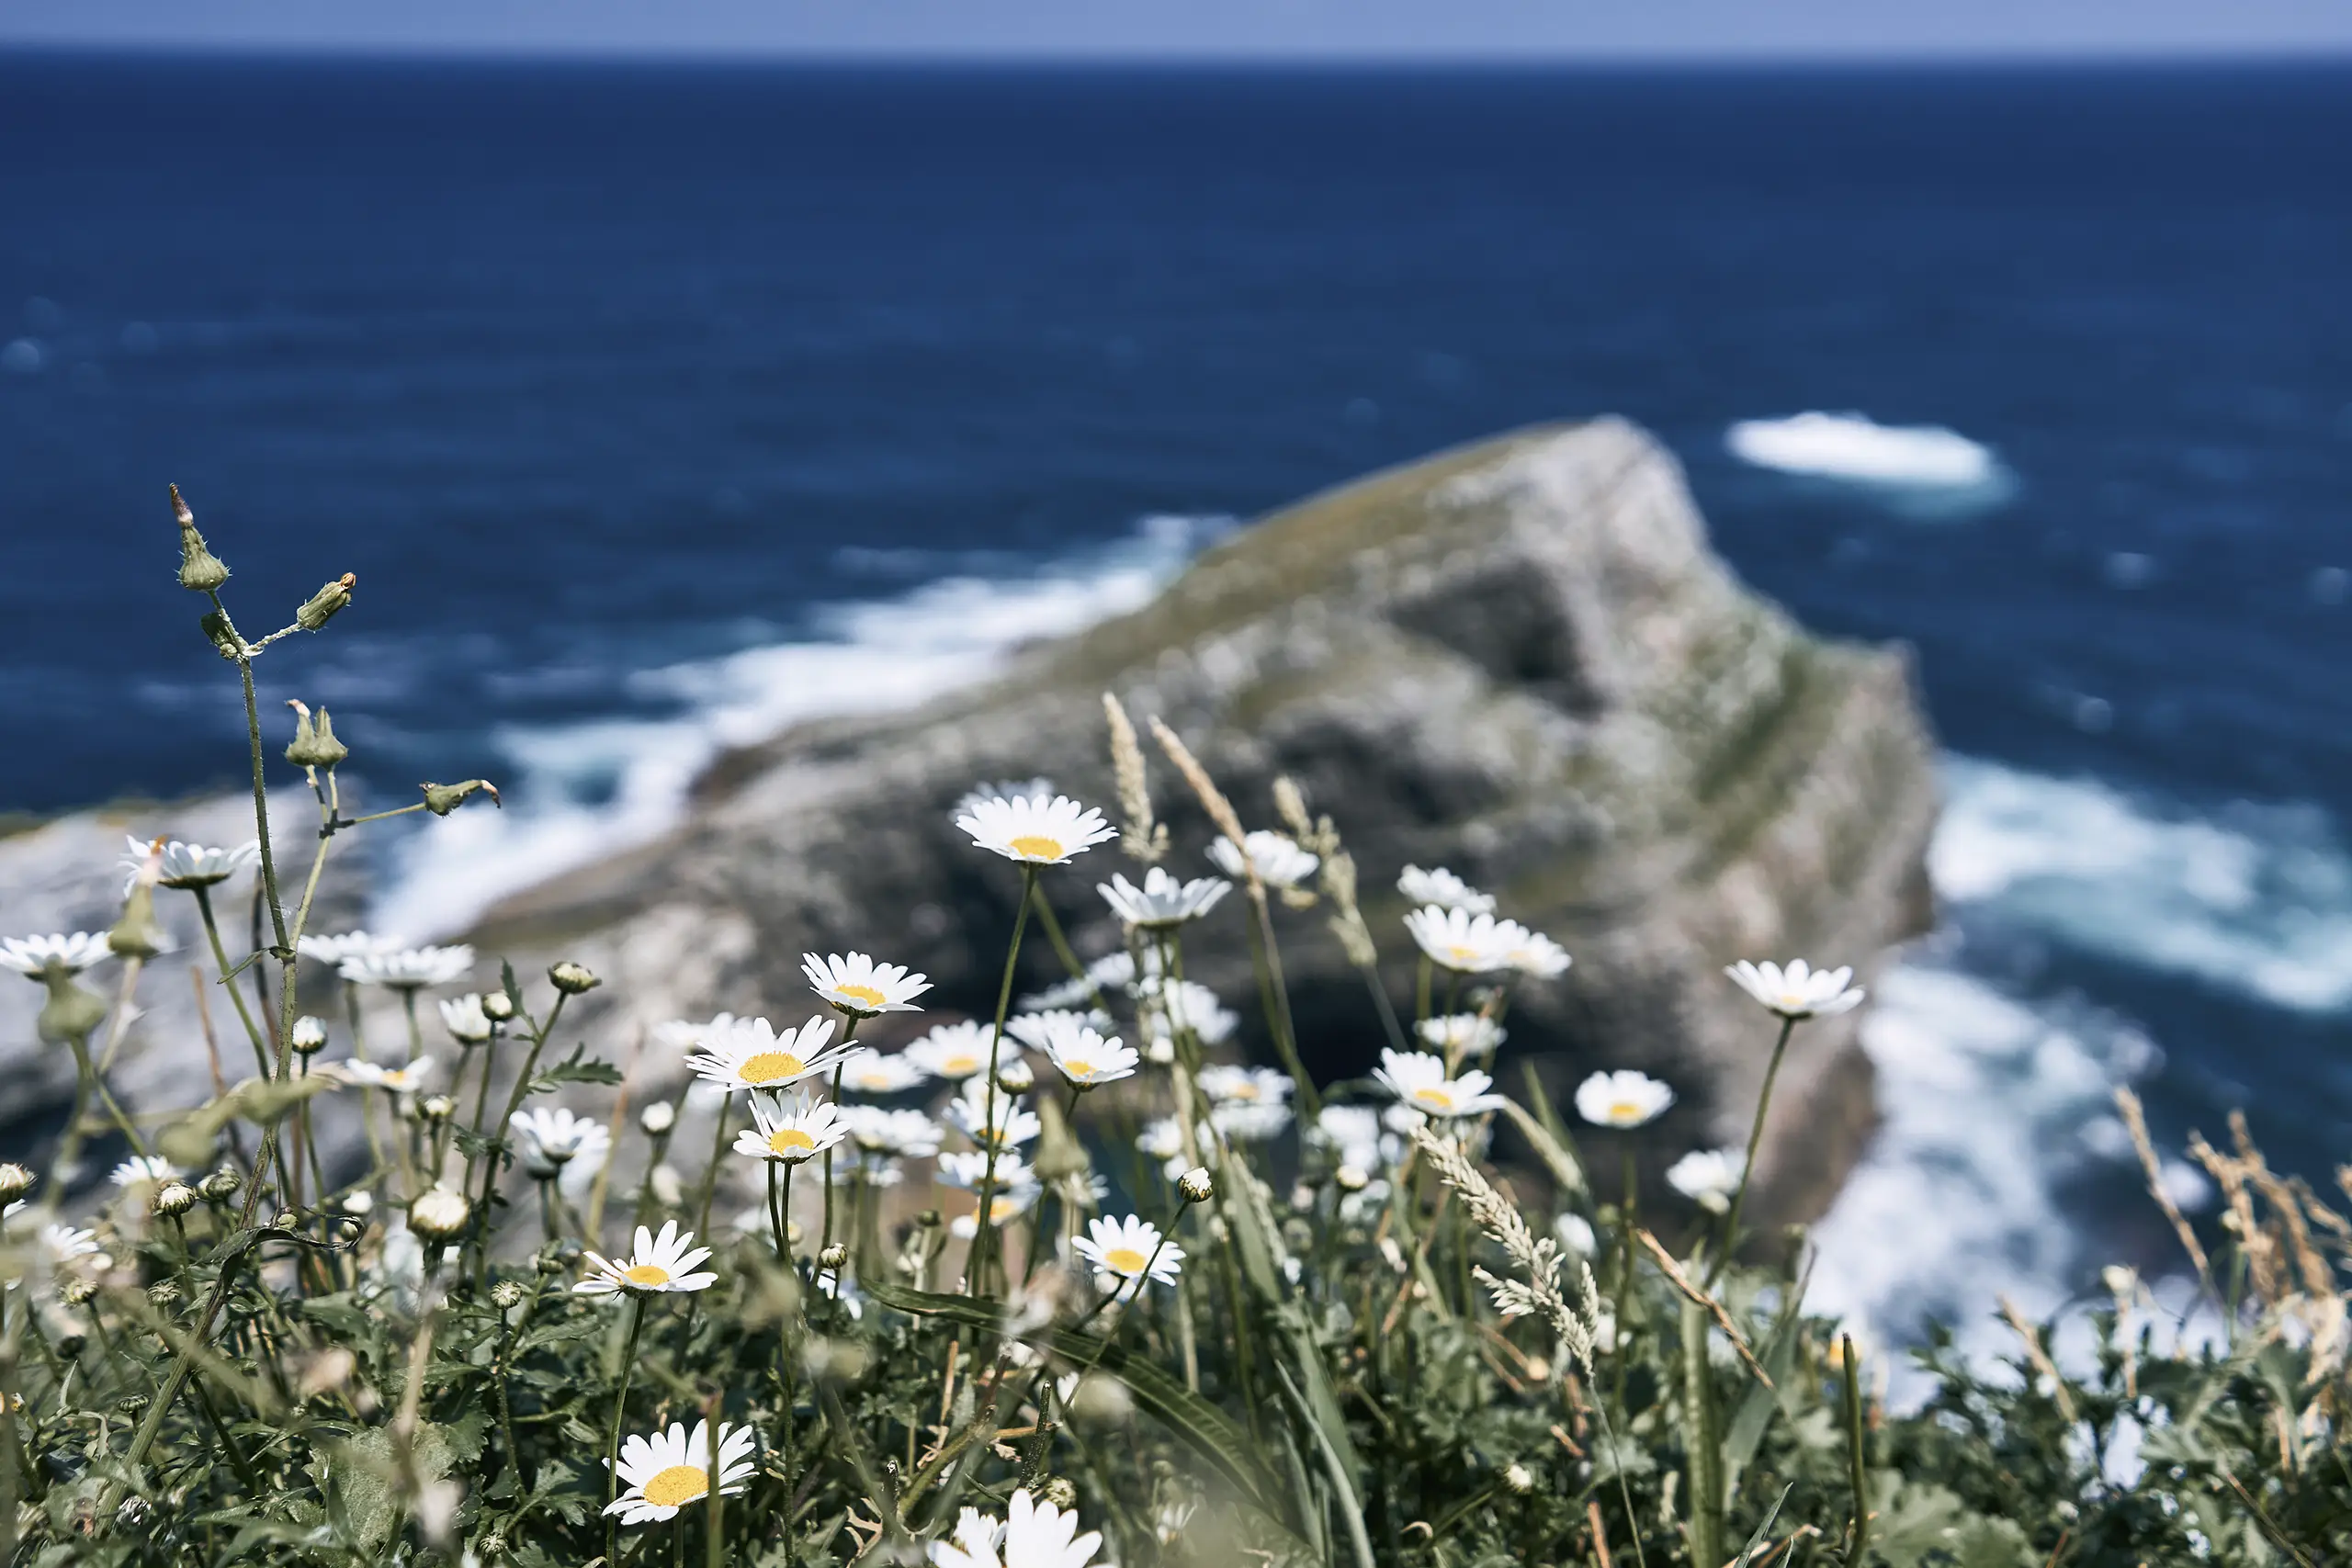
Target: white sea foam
(584,790)
(2256,899)
(1922,471)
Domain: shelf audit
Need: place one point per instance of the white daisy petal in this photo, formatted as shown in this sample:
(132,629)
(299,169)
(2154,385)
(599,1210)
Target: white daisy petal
(1035,831)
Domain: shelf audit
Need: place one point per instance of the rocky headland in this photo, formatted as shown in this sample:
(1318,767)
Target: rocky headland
(1519,659)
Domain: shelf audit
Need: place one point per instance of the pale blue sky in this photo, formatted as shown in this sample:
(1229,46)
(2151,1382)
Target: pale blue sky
(1163,29)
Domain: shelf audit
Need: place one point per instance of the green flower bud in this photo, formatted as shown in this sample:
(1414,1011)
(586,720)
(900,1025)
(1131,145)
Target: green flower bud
(442,799)
(137,935)
(221,1184)
(215,627)
(69,1014)
(163,1293)
(320,607)
(175,1198)
(77,1292)
(498,1007)
(200,569)
(506,1295)
(310,1036)
(573,979)
(834,1255)
(15,1181)
(1060,1492)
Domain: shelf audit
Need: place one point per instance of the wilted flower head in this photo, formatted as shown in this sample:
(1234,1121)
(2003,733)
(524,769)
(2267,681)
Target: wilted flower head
(189,866)
(37,956)
(859,987)
(1035,831)
(1444,889)
(1624,1099)
(1798,991)
(410,968)
(1707,1177)
(1280,863)
(1162,901)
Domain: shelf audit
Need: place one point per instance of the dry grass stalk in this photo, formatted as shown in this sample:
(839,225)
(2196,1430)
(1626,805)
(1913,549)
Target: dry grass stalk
(1144,837)
(1681,1281)
(2039,1356)
(1220,810)
(2136,1120)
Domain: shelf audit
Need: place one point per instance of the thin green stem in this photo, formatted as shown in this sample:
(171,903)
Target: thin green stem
(221,960)
(983,1234)
(1747,1166)
(620,1410)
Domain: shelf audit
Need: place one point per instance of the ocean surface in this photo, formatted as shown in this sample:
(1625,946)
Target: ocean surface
(655,407)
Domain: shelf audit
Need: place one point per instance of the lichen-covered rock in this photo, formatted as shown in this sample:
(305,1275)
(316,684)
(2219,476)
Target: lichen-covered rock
(1519,659)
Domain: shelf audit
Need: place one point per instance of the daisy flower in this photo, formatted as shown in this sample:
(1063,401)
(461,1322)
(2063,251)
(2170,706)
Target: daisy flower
(1279,860)
(1444,889)
(1467,943)
(1462,1034)
(1040,790)
(1162,902)
(1187,1004)
(338,949)
(465,1021)
(1009,1201)
(1033,1535)
(968,1114)
(671,1471)
(1537,956)
(1575,1234)
(968,1168)
(909,1135)
(750,1054)
(686,1034)
(1250,1124)
(409,968)
(189,866)
(1354,1133)
(151,1168)
(1245,1085)
(1799,992)
(1419,1080)
(64,1245)
(1707,1177)
(392,1080)
(1625,1099)
(1035,831)
(790,1132)
(558,1142)
(1161,1139)
(1078,1051)
(860,987)
(659,1265)
(953,1051)
(35,956)
(1123,1250)
(868,1071)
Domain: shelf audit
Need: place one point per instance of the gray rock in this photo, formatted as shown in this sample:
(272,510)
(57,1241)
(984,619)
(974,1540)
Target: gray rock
(1519,659)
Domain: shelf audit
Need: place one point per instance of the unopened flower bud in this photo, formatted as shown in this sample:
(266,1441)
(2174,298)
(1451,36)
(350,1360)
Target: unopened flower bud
(217,631)
(220,1184)
(314,745)
(442,799)
(834,1255)
(1352,1178)
(1302,1198)
(439,1214)
(1197,1185)
(285,1220)
(573,979)
(133,1512)
(200,569)
(1015,1077)
(175,1198)
(1060,1493)
(658,1118)
(320,607)
(506,1295)
(668,1187)
(137,934)
(69,1014)
(78,1291)
(164,1293)
(361,1202)
(498,1007)
(310,1036)
(436,1108)
(15,1181)
(1519,1478)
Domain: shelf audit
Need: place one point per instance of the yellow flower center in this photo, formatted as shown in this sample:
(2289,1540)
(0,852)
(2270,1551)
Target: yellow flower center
(649,1277)
(1435,1098)
(1124,1261)
(1462,957)
(1073,1068)
(1242,1091)
(790,1140)
(1037,846)
(1002,1209)
(1624,1112)
(864,996)
(679,1485)
(957,1067)
(771,1067)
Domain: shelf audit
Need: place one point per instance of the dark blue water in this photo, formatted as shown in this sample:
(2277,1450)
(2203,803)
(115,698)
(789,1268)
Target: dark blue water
(587,371)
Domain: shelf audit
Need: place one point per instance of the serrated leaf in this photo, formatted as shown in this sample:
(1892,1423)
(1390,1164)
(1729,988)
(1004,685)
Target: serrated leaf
(578,1067)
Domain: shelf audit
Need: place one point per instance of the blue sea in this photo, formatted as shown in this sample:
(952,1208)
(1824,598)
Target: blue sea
(654,407)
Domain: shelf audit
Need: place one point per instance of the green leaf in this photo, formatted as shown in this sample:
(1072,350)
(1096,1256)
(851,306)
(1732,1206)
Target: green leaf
(578,1067)
(1201,1426)
(1747,1555)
